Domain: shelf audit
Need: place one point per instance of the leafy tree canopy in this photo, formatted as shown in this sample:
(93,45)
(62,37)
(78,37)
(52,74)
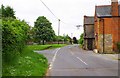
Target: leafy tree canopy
(43,29)
(7,11)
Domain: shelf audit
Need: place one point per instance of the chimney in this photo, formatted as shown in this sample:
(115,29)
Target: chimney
(114,7)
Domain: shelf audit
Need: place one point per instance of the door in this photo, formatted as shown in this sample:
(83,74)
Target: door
(90,44)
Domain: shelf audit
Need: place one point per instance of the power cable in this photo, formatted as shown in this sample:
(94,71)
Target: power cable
(54,14)
(49,10)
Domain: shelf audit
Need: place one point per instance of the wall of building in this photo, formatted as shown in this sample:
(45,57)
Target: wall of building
(111,28)
(86,43)
(89,31)
(96,31)
(119,30)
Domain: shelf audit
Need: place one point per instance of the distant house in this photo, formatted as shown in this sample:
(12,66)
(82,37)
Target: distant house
(89,33)
(107,27)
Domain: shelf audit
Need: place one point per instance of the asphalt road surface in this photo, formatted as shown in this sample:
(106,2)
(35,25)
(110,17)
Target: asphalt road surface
(73,61)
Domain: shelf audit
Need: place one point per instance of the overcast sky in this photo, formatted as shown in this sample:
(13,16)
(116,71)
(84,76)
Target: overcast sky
(69,11)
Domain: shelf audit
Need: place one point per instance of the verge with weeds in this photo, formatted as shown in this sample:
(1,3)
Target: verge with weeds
(28,64)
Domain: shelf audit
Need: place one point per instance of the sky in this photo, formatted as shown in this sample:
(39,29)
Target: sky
(70,12)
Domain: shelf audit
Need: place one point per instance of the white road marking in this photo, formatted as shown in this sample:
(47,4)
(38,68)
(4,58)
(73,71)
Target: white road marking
(51,64)
(82,61)
(78,58)
(71,52)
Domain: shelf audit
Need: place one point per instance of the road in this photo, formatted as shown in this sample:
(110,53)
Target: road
(73,61)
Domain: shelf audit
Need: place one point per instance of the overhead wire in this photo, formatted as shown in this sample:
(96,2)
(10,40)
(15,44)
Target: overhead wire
(55,15)
(49,9)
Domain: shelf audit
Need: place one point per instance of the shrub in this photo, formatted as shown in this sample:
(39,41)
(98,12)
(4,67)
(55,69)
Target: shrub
(118,45)
(81,39)
(14,35)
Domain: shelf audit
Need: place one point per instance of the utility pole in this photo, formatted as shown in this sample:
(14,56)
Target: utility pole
(58,29)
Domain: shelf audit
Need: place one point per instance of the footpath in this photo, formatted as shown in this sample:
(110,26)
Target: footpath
(113,56)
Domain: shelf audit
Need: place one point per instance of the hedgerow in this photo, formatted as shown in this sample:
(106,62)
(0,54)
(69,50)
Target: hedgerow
(14,35)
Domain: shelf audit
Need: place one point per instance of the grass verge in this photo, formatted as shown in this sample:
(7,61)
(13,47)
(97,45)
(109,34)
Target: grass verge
(29,63)
(44,47)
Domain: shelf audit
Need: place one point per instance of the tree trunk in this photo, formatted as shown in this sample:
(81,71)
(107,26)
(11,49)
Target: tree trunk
(43,42)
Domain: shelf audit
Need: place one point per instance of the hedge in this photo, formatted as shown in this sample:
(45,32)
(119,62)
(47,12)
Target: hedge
(14,35)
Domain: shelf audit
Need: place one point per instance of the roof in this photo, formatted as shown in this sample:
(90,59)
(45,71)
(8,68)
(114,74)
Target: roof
(88,20)
(104,10)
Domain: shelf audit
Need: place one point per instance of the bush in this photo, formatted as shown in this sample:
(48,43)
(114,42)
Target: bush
(118,45)
(14,35)
(81,39)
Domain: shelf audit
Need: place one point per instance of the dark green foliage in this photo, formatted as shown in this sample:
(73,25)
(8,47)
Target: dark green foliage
(14,35)
(31,34)
(43,30)
(75,40)
(118,45)
(0,13)
(8,12)
(81,39)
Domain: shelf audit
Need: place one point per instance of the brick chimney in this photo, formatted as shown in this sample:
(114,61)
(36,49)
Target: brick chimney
(114,7)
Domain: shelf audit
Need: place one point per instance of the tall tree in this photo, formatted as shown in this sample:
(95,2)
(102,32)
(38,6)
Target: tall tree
(8,12)
(43,30)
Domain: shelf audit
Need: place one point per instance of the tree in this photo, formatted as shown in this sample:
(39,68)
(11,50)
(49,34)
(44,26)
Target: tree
(8,12)
(81,39)
(43,30)
(0,13)
(31,35)
(75,40)
(67,39)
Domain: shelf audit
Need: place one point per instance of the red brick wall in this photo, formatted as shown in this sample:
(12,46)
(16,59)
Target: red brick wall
(114,8)
(119,30)
(111,26)
(96,31)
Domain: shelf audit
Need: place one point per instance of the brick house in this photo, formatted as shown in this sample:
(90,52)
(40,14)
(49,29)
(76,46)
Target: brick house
(89,33)
(107,27)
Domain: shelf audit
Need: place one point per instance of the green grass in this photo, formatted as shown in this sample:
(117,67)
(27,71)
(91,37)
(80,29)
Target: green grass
(28,64)
(44,47)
